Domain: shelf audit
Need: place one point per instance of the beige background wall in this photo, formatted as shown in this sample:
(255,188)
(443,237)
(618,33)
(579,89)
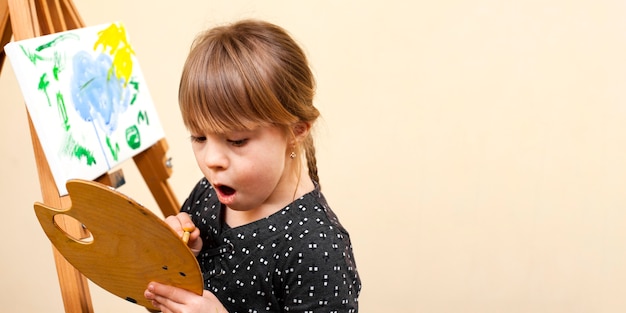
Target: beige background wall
(476,150)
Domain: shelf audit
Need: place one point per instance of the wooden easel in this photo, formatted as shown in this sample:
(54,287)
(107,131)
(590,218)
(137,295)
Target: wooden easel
(25,19)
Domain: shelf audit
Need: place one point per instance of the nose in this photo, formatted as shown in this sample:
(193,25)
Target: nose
(215,157)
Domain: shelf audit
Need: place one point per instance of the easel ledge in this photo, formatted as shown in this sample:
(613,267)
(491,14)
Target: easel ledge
(23,19)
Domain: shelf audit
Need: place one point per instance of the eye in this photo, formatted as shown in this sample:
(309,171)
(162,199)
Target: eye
(197,139)
(238,142)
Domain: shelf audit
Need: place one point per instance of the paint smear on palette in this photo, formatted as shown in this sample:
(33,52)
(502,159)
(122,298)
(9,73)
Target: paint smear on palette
(88,99)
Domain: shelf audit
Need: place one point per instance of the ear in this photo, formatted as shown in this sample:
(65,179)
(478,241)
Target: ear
(300,131)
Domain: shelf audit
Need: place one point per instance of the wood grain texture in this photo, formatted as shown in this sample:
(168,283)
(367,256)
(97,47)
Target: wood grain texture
(129,245)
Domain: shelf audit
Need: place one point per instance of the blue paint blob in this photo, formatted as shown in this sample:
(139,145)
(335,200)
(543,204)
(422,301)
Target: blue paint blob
(98,95)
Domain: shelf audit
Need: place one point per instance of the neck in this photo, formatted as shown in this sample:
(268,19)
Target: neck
(299,185)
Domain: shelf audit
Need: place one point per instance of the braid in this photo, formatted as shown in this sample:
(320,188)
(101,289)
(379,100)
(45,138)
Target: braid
(309,149)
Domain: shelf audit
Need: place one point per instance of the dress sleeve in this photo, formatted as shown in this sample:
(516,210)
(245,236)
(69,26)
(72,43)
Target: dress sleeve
(321,274)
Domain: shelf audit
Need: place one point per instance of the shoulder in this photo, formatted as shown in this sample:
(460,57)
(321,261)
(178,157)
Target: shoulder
(315,230)
(317,260)
(318,215)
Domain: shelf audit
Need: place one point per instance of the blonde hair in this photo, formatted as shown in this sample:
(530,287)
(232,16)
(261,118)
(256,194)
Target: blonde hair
(249,72)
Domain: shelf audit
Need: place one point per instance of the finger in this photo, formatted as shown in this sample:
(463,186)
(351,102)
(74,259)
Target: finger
(150,296)
(186,222)
(161,303)
(166,293)
(174,223)
(187,226)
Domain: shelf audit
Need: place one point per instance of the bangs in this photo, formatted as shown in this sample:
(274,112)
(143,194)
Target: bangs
(225,87)
(215,102)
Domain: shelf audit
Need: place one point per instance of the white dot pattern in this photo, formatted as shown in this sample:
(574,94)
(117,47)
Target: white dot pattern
(297,260)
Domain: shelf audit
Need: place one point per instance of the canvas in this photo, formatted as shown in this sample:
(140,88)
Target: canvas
(87,98)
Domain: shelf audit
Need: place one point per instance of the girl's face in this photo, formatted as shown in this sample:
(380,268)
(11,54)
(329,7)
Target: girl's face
(249,170)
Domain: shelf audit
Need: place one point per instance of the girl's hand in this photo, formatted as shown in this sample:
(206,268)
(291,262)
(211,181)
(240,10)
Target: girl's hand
(170,299)
(182,223)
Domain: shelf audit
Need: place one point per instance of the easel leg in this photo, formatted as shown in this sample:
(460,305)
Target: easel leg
(74,286)
(152,165)
(72,280)
(5,29)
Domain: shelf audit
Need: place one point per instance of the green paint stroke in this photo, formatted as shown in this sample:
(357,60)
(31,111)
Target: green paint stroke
(56,40)
(33,57)
(86,84)
(43,86)
(133,138)
(143,116)
(114,150)
(82,152)
(135,86)
(56,69)
(75,150)
(63,111)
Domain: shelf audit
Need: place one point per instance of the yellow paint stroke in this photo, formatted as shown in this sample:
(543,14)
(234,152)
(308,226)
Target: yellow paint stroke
(114,39)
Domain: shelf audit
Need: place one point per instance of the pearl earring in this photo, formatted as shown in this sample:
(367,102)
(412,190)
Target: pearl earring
(292,155)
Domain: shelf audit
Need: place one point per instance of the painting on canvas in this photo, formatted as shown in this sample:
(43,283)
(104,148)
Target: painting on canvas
(87,99)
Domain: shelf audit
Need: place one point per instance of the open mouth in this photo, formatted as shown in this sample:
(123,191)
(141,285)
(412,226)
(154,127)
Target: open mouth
(226,190)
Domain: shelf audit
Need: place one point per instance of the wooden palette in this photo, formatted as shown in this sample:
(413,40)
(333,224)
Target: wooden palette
(129,245)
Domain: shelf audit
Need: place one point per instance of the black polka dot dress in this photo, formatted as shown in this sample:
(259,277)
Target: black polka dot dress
(297,260)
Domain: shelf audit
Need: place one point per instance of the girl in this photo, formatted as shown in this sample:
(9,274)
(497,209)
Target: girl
(265,238)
